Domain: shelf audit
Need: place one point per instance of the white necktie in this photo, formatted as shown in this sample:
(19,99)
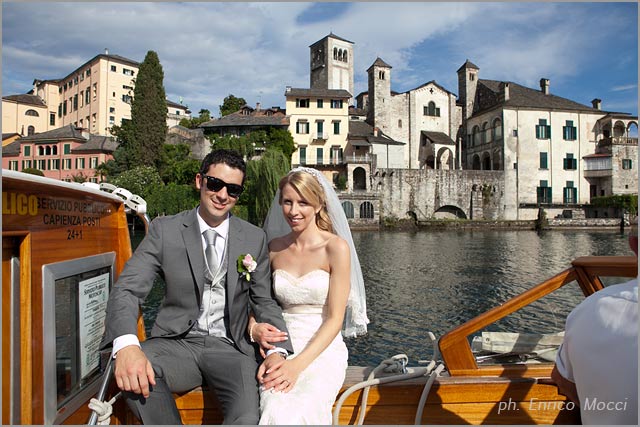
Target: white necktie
(210,251)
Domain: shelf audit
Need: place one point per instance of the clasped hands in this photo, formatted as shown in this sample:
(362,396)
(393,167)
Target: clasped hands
(276,372)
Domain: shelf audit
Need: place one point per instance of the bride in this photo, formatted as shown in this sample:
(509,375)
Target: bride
(318,282)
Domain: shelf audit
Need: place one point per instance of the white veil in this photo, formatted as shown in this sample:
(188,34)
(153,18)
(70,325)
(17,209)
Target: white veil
(275,225)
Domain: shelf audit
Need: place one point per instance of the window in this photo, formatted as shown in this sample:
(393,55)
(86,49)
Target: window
(66,149)
(112,109)
(381,75)
(336,103)
(27,150)
(66,164)
(32,113)
(81,98)
(127,87)
(112,119)
(544,193)
(64,108)
(336,128)
(52,119)
(303,155)
(75,102)
(75,80)
(399,123)
(366,210)
(320,130)
(13,165)
(127,72)
(302,127)
(302,102)
(543,160)
(86,97)
(79,163)
(31,130)
(55,164)
(26,164)
(347,207)
(569,193)
(569,163)
(70,84)
(319,155)
(126,98)
(319,103)
(88,72)
(94,119)
(627,164)
(569,131)
(113,68)
(543,131)
(93,162)
(41,164)
(431,110)
(60,110)
(95,90)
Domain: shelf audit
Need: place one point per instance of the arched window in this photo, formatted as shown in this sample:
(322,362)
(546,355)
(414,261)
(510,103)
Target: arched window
(485,130)
(335,53)
(33,113)
(399,123)
(344,56)
(432,108)
(347,207)
(40,151)
(366,210)
(54,150)
(497,130)
(31,130)
(359,179)
(381,75)
(47,150)
(476,136)
(475,164)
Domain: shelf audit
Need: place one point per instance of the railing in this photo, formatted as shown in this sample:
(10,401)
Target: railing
(619,140)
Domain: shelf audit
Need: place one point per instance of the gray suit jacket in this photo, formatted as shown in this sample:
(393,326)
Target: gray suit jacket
(173,250)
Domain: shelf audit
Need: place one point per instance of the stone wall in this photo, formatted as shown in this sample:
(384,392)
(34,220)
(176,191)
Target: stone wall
(422,194)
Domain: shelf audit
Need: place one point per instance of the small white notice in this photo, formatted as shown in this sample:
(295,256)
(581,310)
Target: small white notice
(92,307)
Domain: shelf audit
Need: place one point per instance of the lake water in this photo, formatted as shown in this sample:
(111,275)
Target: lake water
(421,281)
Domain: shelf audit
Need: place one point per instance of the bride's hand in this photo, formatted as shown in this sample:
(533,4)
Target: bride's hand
(265,334)
(282,377)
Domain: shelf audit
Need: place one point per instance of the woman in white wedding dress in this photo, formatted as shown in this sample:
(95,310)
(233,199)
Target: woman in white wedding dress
(312,268)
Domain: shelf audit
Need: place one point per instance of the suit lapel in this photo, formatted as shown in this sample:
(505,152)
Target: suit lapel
(193,243)
(235,250)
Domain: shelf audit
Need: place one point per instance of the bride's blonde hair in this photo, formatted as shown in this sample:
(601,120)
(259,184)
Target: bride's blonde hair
(310,189)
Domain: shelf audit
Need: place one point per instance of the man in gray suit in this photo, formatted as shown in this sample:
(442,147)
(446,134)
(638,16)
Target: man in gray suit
(200,333)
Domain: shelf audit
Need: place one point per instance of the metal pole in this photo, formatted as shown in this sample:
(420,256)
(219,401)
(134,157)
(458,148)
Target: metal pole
(102,392)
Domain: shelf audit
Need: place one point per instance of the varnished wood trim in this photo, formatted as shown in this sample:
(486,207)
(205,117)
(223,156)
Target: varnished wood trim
(26,330)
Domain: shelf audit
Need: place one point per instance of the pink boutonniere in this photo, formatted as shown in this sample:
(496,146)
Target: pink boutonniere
(246,265)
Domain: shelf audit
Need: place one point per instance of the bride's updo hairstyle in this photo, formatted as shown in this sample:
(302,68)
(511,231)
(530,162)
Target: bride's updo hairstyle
(310,189)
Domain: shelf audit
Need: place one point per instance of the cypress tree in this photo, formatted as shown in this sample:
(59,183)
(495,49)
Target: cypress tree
(148,113)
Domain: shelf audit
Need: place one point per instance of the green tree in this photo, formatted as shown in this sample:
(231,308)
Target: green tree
(148,113)
(281,140)
(231,104)
(176,164)
(263,176)
(142,180)
(194,122)
(33,171)
(171,198)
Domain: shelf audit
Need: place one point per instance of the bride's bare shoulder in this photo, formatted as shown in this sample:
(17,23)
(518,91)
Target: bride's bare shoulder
(337,245)
(279,243)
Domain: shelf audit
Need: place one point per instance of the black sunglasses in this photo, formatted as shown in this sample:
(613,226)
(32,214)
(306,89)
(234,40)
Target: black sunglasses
(216,184)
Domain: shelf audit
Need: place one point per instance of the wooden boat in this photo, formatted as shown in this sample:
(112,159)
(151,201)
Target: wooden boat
(63,246)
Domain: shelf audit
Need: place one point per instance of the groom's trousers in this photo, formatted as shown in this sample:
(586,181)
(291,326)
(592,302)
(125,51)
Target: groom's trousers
(183,364)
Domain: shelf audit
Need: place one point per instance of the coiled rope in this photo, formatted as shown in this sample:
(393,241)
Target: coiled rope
(397,363)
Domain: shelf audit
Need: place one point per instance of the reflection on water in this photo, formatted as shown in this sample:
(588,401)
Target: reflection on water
(425,281)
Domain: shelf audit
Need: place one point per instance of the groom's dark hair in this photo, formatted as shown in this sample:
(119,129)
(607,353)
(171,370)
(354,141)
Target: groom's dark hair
(228,157)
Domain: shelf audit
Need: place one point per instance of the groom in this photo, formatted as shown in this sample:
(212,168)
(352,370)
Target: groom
(200,332)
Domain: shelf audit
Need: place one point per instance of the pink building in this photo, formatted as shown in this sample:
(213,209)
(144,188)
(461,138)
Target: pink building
(61,153)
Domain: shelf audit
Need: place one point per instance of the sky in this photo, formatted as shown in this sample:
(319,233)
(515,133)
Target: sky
(254,50)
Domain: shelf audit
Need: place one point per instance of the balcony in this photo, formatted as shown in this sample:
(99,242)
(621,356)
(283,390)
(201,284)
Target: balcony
(618,140)
(597,167)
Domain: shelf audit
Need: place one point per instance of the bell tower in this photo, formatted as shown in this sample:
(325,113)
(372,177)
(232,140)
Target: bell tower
(331,64)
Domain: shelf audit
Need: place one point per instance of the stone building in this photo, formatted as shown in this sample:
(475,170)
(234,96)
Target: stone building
(247,120)
(425,118)
(540,141)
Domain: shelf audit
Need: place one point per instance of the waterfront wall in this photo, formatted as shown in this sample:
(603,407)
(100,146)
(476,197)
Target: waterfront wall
(441,194)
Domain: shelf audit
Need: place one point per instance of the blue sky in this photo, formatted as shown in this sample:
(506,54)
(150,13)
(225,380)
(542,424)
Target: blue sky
(255,50)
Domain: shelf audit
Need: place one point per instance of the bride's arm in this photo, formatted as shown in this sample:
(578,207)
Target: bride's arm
(264,334)
(340,268)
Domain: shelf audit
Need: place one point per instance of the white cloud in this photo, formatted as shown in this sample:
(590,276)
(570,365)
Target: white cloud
(624,87)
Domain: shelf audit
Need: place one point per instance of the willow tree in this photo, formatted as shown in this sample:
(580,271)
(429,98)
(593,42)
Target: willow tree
(263,176)
(148,113)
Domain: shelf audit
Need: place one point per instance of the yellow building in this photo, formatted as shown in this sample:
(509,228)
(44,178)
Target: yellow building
(95,96)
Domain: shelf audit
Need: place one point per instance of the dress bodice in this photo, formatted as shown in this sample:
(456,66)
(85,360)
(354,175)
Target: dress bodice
(306,292)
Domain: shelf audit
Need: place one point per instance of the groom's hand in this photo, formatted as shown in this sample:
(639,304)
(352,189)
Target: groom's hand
(133,371)
(270,364)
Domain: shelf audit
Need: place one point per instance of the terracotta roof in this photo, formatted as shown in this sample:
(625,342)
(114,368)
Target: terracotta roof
(362,131)
(26,99)
(98,143)
(318,92)
(12,149)
(596,155)
(65,132)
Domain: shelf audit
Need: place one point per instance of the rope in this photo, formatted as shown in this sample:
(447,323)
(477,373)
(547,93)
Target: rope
(397,363)
(103,409)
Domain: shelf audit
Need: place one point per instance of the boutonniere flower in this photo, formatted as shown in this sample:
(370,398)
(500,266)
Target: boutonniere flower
(246,265)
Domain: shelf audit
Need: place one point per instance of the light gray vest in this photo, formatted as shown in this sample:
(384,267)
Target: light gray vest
(211,318)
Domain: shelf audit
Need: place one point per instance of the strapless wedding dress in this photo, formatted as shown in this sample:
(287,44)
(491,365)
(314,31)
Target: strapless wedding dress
(311,400)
